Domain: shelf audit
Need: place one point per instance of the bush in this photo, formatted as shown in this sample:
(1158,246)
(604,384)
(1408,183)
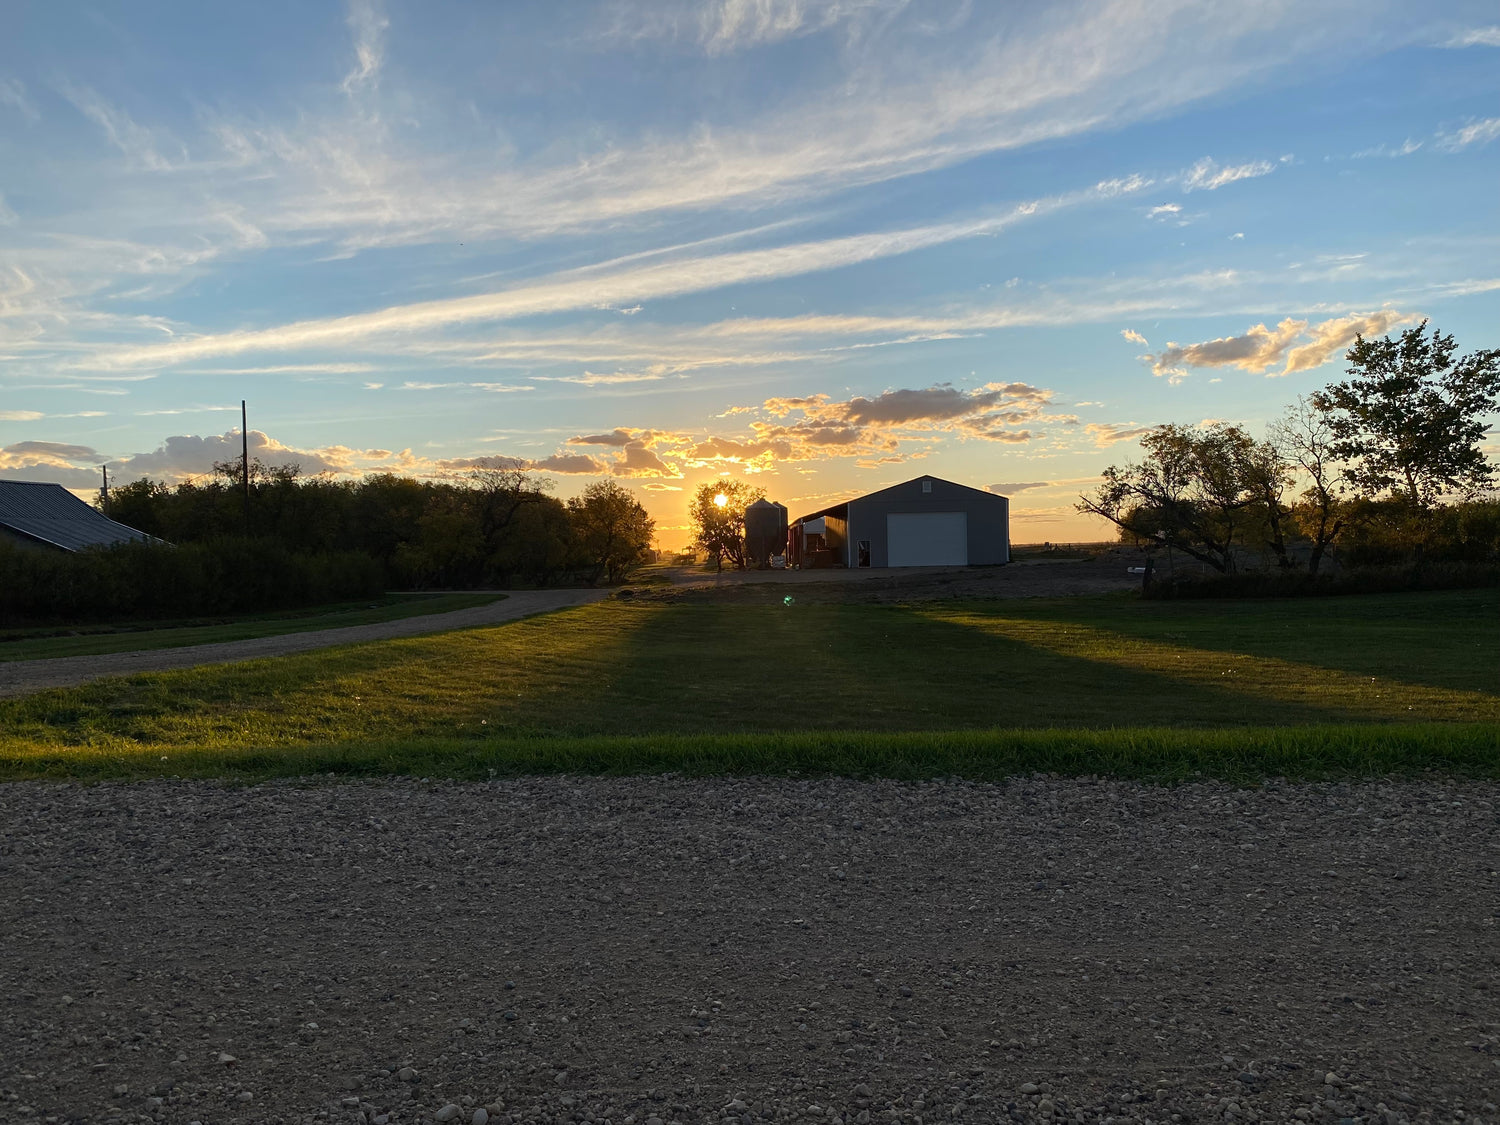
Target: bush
(1299,584)
(153,580)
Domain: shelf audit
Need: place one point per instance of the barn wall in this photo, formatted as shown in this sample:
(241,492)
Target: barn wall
(988,517)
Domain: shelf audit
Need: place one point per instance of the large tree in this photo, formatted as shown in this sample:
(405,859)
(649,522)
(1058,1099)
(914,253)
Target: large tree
(1410,418)
(717,511)
(1196,490)
(613,530)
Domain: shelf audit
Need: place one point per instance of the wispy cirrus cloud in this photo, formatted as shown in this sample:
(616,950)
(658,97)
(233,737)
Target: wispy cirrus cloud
(724,27)
(1206,175)
(602,285)
(1475,37)
(1475,133)
(368,24)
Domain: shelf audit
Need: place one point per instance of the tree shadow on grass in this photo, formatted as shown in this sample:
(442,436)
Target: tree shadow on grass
(897,668)
(1442,639)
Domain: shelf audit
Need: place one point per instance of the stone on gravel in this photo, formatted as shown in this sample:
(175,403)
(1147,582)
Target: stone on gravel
(449,1112)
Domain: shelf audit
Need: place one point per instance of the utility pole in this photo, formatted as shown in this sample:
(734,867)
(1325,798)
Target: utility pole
(104,490)
(245,465)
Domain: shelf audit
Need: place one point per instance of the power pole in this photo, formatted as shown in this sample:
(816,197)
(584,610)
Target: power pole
(245,465)
(104,490)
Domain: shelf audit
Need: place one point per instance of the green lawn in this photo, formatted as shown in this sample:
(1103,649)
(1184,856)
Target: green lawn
(1304,686)
(45,643)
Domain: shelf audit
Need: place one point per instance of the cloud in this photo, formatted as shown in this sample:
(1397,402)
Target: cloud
(591,379)
(20,415)
(1476,37)
(51,452)
(658,486)
(1262,348)
(13,95)
(497,388)
(589,287)
(1209,176)
(575,463)
(1478,132)
(1107,434)
(368,24)
(723,27)
(137,143)
(1332,337)
(1164,210)
(616,438)
(286,369)
(1134,337)
(1011,488)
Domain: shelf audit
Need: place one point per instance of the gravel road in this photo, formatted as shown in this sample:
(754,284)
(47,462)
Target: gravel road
(20,677)
(650,950)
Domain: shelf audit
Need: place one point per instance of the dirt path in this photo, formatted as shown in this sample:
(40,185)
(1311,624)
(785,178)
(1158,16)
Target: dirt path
(641,951)
(22,677)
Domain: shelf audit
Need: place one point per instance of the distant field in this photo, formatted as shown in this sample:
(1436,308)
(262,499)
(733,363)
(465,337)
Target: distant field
(1318,685)
(46,643)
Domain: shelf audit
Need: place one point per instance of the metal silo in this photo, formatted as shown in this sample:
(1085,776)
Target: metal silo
(765,532)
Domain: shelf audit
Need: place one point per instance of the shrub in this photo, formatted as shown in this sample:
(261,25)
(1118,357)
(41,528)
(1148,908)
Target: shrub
(153,580)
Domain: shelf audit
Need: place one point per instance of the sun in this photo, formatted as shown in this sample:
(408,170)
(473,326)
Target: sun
(720,500)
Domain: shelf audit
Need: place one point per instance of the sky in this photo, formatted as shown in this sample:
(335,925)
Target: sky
(826,244)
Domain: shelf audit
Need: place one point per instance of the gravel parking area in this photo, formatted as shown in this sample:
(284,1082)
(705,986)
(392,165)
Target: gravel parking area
(650,950)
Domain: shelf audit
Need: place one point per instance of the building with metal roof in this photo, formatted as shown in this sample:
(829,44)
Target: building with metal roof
(922,522)
(35,514)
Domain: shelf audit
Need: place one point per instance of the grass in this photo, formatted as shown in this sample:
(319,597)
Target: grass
(1111,684)
(94,640)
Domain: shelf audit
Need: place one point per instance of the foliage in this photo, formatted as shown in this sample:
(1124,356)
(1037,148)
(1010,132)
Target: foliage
(612,528)
(1193,491)
(495,528)
(1360,468)
(719,528)
(146,580)
(1410,418)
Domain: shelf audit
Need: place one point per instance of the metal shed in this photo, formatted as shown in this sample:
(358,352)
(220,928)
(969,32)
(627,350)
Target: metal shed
(922,522)
(36,514)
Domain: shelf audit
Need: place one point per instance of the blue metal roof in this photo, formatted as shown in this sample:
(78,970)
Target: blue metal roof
(51,514)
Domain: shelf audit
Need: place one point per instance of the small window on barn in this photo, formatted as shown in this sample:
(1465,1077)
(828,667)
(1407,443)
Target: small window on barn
(926,486)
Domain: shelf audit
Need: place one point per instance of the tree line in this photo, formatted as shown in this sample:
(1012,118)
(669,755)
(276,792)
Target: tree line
(1385,467)
(292,540)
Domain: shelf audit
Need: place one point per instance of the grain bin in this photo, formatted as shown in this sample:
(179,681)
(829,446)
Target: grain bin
(765,532)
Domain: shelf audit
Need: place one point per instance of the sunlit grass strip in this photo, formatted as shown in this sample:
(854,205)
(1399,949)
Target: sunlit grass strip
(1241,755)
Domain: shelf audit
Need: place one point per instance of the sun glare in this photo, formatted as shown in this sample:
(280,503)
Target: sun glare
(720,500)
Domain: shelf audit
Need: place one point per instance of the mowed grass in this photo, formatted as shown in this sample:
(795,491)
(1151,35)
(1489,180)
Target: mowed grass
(46,643)
(1306,687)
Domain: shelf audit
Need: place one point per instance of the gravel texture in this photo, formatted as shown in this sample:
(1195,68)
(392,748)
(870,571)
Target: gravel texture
(651,950)
(20,677)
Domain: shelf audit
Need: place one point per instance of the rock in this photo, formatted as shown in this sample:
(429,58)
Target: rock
(449,1112)
(1332,1079)
(736,1106)
(349,1103)
(1029,1087)
(244,1096)
(406,1074)
(226,1059)
(481,1117)
(561,1077)
(511,1015)
(862,1091)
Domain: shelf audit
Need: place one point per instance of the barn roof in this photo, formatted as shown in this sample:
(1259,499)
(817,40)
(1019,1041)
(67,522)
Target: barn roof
(50,514)
(841,509)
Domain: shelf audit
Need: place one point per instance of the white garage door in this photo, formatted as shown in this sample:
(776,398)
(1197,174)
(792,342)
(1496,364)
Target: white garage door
(928,539)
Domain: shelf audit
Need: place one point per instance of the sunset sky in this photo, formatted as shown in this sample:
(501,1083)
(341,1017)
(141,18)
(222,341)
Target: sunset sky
(832,244)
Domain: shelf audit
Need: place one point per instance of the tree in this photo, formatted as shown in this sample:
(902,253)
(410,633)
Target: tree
(717,512)
(1305,438)
(612,529)
(1410,418)
(1191,492)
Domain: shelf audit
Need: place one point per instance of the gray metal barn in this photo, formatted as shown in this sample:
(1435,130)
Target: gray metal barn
(37,514)
(923,522)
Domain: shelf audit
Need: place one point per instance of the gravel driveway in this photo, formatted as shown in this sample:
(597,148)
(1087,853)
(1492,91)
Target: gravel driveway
(21,677)
(658,949)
